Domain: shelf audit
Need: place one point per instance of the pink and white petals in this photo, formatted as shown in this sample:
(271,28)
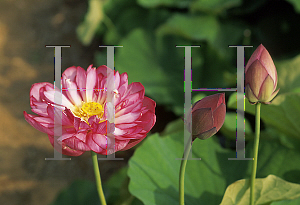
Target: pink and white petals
(91,130)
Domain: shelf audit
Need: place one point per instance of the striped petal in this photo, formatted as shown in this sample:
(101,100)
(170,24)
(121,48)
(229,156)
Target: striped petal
(90,83)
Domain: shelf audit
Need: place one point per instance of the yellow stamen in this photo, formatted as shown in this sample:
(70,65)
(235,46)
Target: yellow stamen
(92,108)
(88,110)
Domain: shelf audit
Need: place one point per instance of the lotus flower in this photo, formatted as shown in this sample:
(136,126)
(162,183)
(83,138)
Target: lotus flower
(208,116)
(84,112)
(260,77)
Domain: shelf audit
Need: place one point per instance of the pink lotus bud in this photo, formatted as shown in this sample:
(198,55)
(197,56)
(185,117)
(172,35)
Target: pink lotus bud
(260,77)
(208,116)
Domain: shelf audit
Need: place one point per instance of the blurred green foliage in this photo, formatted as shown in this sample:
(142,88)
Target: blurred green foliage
(78,193)
(149,31)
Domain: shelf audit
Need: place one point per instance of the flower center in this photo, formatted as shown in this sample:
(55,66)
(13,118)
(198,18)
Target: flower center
(88,110)
(92,108)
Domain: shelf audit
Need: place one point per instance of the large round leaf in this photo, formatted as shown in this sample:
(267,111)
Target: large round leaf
(154,170)
(287,202)
(282,114)
(267,190)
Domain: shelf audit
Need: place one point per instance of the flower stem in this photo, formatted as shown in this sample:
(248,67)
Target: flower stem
(256,143)
(182,171)
(98,178)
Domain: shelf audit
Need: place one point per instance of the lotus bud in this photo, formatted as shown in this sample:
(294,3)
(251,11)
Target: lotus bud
(208,116)
(260,77)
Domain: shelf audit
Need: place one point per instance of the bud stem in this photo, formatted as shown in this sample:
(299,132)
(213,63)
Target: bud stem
(98,178)
(255,152)
(186,154)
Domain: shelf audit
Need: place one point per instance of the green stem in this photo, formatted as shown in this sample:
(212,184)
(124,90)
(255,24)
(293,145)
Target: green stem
(182,171)
(256,143)
(98,178)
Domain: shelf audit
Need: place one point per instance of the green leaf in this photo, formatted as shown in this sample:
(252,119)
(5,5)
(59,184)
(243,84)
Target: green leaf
(229,127)
(87,29)
(212,71)
(124,16)
(214,6)
(282,114)
(173,127)
(138,58)
(116,189)
(287,202)
(78,193)
(85,192)
(159,66)
(154,171)
(230,33)
(296,4)
(275,159)
(267,190)
(191,27)
(156,68)
(169,3)
(288,74)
